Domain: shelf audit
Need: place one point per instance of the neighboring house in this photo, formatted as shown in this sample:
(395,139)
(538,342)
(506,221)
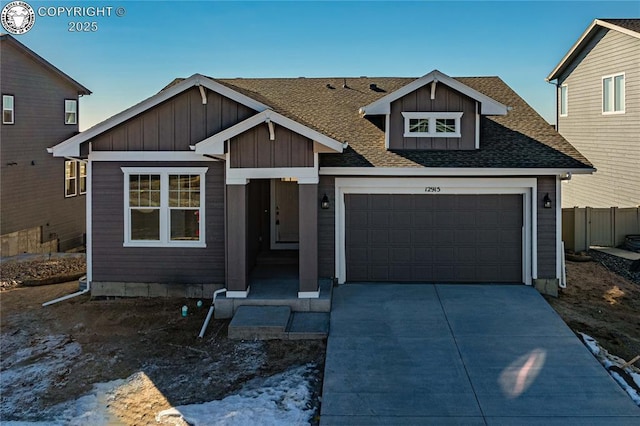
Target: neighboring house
(598,108)
(435,179)
(42,202)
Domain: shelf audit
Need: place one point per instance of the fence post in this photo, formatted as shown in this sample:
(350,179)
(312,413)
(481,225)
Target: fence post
(587,225)
(614,226)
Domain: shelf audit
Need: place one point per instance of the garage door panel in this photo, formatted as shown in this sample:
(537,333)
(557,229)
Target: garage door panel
(434,238)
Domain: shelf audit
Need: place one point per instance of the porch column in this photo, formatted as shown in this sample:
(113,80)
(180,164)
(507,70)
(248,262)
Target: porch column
(237,276)
(308,237)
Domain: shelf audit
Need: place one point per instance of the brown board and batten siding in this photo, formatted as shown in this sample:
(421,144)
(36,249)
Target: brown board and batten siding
(114,263)
(546,228)
(446,100)
(175,124)
(253,149)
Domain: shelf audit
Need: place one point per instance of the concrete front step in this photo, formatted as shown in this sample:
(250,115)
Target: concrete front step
(277,322)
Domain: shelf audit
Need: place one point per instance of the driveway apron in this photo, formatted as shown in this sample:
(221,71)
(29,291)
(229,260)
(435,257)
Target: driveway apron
(414,354)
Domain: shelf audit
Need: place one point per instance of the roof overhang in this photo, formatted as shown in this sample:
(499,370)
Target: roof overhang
(584,38)
(71,146)
(214,145)
(382,106)
(48,65)
(450,171)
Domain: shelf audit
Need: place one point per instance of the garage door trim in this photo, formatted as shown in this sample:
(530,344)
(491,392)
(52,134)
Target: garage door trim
(434,186)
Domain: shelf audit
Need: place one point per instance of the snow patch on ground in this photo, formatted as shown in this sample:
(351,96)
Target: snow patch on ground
(282,399)
(612,362)
(30,365)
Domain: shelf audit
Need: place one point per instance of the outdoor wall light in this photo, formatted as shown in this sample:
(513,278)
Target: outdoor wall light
(546,201)
(324,203)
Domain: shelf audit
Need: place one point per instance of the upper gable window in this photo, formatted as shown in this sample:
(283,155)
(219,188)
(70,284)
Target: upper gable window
(70,111)
(613,94)
(564,100)
(432,124)
(7,109)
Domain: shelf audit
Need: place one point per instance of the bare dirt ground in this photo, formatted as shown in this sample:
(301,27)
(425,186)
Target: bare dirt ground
(55,354)
(602,304)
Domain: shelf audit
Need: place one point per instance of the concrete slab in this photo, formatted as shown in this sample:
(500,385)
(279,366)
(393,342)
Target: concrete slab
(259,322)
(460,354)
(614,251)
(308,325)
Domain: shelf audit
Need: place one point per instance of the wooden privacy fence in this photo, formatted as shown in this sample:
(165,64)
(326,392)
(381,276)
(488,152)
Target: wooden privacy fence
(587,226)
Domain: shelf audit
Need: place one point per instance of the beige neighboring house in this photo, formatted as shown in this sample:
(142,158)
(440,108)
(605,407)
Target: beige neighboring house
(598,112)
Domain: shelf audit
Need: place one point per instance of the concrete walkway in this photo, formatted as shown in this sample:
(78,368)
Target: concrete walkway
(461,354)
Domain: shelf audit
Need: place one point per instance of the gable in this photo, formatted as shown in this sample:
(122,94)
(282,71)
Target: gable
(175,124)
(254,148)
(439,99)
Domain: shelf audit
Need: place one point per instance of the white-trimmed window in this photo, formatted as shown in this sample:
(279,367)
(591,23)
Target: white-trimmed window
(613,94)
(432,124)
(70,178)
(164,207)
(82,175)
(564,100)
(70,111)
(8,114)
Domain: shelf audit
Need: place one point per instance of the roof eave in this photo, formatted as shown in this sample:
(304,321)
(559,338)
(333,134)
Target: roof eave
(584,38)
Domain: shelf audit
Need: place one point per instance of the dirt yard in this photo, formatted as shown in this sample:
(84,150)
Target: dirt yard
(602,304)
(56,354)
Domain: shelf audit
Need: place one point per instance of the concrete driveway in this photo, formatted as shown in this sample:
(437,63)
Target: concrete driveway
(461,354)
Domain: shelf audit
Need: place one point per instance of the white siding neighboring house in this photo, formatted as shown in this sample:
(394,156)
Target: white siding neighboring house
(598,106)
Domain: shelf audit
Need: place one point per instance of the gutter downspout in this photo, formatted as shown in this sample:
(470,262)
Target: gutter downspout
(69,296)
(210,313)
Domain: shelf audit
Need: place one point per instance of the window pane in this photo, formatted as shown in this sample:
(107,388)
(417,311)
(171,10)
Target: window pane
(144,190)
(145,224)
(184,191)
(70,118)
(419,125)
(185,225)
(445,125)
(7,116)
(70,187)
(606,93)
(563,100)
(7,102)
(619,93)
(83,185)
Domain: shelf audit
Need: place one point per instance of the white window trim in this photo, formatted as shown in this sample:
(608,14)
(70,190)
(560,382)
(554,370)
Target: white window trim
(165,225)
(431,116)
(74,110)
(566,101)
(81,176)
(612,99)
(12,109)
(74,178)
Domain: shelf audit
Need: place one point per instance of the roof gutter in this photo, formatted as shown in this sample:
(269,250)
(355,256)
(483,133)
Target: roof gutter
(448,171)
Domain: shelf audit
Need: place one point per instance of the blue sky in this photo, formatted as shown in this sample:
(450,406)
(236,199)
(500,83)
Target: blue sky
(130,58)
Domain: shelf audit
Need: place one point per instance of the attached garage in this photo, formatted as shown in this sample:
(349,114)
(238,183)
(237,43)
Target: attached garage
(392,231)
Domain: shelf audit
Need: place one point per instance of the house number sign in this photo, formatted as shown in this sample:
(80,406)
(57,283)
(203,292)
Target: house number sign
(432,189)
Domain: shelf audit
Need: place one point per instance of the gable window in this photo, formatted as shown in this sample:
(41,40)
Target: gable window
(564,100)
(83,177)
(613,94)
(432,124)
(7,109)
(164,207)
(70,178)
(70,111)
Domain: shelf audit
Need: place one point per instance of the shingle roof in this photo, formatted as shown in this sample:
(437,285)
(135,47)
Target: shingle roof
(521,139)
(630,24)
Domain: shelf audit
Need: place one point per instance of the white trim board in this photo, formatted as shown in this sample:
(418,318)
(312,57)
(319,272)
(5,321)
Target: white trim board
(525,186)
(71,146)
(383,105)
(215,145)
(446,171)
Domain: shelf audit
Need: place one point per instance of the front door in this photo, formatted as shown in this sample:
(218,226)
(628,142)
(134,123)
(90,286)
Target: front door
(284,214)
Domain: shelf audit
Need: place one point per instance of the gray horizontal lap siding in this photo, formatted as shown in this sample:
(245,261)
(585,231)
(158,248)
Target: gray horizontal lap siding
(175,124)
(610,142)
(114,263)
(446,100)
(33,189)
(547,256)
(254,149)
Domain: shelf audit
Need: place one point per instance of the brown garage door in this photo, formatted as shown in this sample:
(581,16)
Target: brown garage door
(434,238)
